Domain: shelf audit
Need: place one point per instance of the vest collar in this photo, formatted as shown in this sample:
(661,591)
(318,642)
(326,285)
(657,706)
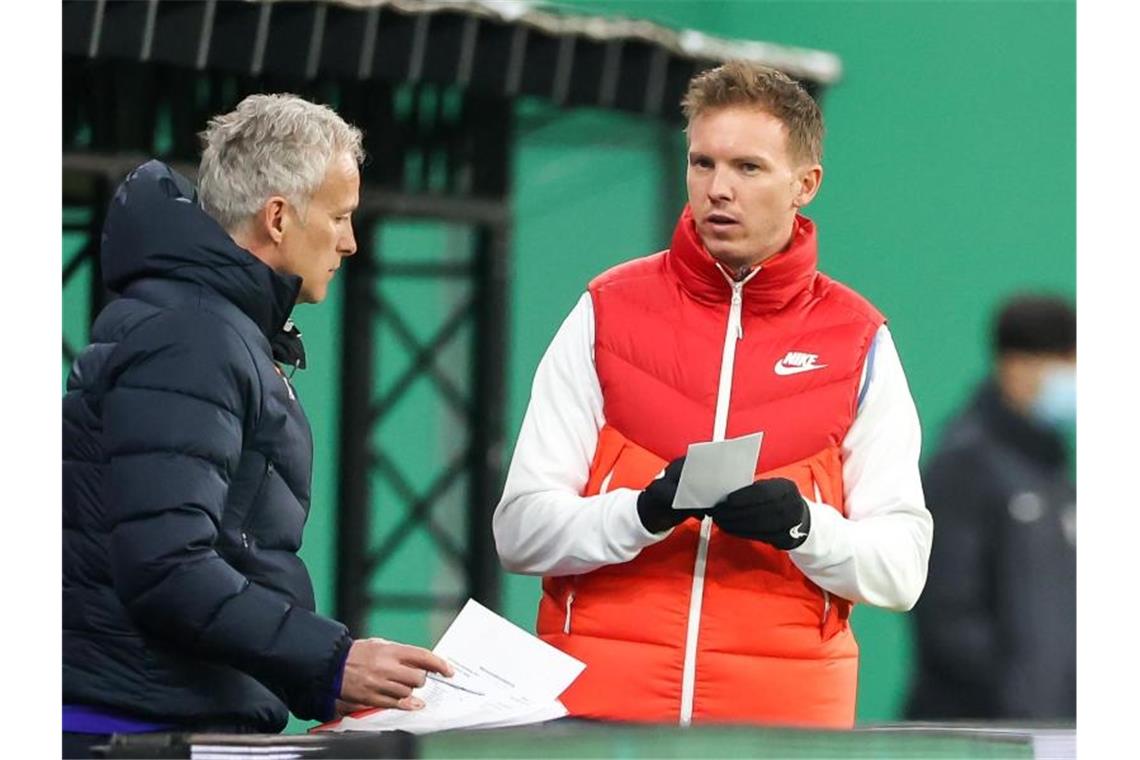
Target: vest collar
(781,278)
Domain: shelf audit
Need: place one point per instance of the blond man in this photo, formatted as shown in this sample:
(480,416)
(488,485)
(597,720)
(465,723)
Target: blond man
(740,612)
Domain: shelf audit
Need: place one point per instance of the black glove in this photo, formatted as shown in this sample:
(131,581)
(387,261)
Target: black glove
(771,511)
(655,504)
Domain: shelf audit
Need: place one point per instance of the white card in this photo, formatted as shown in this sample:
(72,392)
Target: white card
(715,469)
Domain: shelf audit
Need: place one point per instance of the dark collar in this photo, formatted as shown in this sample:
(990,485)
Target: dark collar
(1033,438)
(287,346)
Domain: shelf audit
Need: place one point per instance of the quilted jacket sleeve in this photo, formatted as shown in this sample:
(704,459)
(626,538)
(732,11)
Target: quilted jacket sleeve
(181,391)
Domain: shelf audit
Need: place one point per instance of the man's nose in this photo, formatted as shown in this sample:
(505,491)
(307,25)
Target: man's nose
(348,244)
(720,186)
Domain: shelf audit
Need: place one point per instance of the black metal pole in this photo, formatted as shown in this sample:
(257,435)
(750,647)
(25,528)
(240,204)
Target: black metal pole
(489,386)
(491,125)
(354,492)
(98,295)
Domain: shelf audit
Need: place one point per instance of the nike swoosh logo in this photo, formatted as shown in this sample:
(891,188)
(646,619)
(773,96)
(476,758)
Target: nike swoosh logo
(796,532)
(783,369)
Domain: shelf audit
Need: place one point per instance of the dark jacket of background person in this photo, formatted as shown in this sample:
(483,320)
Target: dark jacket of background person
(186,479)
(997,622)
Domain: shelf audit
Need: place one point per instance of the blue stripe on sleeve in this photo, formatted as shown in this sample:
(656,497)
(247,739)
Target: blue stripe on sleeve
(870,369)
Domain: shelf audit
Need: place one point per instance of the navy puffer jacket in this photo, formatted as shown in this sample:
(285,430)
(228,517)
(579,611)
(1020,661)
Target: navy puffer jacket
(187,462)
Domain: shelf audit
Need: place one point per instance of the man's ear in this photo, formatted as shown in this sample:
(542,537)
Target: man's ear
(809,181)
(272,219)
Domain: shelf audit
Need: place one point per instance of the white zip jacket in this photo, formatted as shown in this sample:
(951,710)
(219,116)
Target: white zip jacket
(875,555)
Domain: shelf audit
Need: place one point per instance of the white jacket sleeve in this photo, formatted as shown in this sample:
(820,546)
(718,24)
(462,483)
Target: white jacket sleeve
(542,525)
(878,554)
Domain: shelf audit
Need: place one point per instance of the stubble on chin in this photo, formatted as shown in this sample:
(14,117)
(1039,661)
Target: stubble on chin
(724,252)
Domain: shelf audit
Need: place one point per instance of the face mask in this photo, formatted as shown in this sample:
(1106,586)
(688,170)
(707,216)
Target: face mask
(1056,401)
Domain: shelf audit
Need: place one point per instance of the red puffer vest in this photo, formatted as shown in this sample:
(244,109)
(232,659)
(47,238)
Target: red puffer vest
(704,626)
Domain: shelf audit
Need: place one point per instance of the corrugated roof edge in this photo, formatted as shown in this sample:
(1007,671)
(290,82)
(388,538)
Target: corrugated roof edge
(803,63)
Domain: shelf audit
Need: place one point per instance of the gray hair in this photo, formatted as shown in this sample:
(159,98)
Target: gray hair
(269,145)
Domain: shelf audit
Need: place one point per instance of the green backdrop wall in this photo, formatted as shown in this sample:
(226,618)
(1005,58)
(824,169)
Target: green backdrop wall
(950,182)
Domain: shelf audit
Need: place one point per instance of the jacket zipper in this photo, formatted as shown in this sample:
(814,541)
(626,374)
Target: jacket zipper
(606,483)
(734,331)
(253,503)
(569,603)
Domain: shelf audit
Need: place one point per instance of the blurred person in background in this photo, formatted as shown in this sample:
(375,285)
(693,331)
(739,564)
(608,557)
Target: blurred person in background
(997,622)
(741,614)
(187,459)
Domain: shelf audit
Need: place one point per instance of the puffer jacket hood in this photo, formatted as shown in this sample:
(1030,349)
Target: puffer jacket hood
(155,227)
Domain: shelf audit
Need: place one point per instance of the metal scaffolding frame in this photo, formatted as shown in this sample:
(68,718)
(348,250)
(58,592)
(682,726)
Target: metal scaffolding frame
(480,405)
(87,259)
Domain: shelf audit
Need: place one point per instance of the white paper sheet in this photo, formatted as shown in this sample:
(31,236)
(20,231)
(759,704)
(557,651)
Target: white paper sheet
(715,469)
(504,676)
(503,656)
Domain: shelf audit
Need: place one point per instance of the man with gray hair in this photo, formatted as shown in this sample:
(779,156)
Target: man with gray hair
(187,458)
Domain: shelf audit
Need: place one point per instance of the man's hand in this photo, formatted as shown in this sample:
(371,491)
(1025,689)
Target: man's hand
(348,708)
(655,504)
(380,673)
(771,511)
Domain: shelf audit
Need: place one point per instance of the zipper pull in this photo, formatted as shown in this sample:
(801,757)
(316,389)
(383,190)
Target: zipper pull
(737,300)
(569,603)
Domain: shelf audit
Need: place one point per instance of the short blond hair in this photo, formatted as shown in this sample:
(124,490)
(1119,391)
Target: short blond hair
(745,83)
